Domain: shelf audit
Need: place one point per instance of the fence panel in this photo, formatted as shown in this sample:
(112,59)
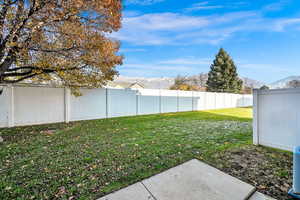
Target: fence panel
(121,102)
(235,100)
(239,100)
(248,100)
(148,101)
(199,100)
(210,100)
(4,106)
(91,105)
(22,105)
(169,101)
(277,118)
(185,101)
(228,100)
(38,105)
(220,100)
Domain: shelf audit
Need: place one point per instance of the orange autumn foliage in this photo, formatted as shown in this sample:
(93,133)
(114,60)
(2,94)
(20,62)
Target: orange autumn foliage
(65,41)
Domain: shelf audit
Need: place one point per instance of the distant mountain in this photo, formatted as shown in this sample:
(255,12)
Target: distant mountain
(252,83)
(167,82)
(149,83)
(282,83)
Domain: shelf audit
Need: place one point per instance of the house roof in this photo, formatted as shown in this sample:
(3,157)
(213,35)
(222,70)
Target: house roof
(124,84)
(136,83)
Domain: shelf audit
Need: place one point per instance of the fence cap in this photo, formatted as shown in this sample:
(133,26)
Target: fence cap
(297,150)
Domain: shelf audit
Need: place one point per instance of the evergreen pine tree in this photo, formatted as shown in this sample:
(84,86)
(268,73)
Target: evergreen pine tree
(223,76)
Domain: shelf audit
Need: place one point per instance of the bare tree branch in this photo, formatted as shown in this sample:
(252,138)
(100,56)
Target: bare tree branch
(54,38)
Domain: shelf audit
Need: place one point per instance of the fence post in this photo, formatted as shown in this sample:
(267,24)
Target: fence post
(106,102)
(224,100)
(137,102)
(67,105)
(159,100)
(192,100)
(215,100)
(11,109)
(255,116)
(205,101)
(177,101)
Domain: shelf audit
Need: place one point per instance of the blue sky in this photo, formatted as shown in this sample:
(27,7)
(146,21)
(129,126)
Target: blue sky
(164,38)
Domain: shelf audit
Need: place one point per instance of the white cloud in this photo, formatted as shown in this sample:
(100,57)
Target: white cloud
(187,61)
(207,5)
(236,16)
(264,69)
(276,6)
(192,66)
(172,67)
(281,24)
(155,66)
(182,29)
(164,21)
(203,3)
(154,69)
(203,6)
(142,2)
(141,37)
(157,29)
(130,13)
(179,29)
(125,50)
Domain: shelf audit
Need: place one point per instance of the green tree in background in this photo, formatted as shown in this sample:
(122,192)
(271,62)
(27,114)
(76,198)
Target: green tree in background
(223,75)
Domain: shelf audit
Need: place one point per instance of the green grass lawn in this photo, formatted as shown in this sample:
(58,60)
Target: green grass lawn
(88,159)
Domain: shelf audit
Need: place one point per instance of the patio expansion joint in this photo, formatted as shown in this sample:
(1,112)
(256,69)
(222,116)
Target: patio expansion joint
(149,191)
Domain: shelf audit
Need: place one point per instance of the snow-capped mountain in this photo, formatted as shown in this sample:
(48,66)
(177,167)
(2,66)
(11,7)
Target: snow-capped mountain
(282,83)
(167,82)
(252,83)
(150,83)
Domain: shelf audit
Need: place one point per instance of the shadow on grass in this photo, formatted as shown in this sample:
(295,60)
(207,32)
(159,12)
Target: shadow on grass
(27,132)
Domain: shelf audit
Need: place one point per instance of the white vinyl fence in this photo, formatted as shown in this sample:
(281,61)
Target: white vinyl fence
(38,105)
(276,118)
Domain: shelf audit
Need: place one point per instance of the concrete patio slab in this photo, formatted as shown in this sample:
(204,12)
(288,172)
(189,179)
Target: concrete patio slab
(195,180)
(134,192)
(260,196)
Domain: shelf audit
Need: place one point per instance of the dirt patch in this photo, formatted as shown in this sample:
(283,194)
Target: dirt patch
(269,170)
